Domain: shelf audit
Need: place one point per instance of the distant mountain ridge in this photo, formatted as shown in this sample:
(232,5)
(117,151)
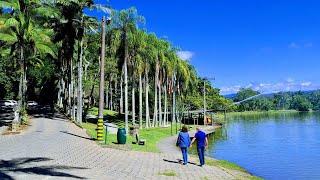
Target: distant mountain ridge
(233,95)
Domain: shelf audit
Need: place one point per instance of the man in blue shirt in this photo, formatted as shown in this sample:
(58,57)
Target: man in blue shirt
(202,143)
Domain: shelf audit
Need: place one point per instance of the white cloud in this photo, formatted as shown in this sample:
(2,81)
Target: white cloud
(293,45)
(287,85)
(185,55)
(289,80)
(306,84)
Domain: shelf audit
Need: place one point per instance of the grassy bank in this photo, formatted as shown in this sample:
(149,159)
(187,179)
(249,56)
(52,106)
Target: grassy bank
(230,166)
(151,135)
(261,112)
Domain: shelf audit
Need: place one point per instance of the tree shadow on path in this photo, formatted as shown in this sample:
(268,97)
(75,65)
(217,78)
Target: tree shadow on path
(26,165)
(65,132)
(178,161)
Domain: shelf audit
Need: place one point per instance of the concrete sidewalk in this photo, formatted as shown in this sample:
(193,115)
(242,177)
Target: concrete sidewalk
(55,148)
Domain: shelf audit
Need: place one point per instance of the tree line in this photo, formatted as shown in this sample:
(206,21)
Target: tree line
(50,52)
(300,101)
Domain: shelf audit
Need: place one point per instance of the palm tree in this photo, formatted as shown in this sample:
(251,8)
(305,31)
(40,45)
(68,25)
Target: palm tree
(25,37)
(126,21)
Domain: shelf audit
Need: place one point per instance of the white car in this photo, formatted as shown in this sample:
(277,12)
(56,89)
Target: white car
(14,102)
(32,103)
(8,103)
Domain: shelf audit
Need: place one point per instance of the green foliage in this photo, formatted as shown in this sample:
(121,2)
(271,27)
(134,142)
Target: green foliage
(300,101)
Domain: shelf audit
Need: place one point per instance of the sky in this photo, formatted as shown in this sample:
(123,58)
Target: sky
(267,45)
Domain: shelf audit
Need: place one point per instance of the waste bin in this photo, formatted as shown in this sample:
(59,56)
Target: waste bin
(121,136)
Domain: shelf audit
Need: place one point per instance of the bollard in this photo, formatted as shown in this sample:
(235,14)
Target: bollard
(100,129)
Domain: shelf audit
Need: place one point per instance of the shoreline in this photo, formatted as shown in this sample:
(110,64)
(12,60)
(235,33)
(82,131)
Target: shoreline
(167,146)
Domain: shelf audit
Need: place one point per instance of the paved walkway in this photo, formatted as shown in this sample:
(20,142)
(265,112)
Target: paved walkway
(167,145)
(55,148)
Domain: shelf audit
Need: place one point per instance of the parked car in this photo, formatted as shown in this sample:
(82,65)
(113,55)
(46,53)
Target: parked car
(32,103)
(14,102)
(8,105)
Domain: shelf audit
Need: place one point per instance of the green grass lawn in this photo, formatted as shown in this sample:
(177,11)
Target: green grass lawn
(94,111)
(151,135)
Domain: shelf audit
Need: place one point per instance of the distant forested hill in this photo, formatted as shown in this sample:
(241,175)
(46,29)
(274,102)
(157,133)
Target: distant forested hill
(300,100)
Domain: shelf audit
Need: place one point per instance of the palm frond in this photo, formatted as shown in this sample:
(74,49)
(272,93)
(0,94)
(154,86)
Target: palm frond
(11,22)
(11,4)
(8,38)
(46,12)
(44,49)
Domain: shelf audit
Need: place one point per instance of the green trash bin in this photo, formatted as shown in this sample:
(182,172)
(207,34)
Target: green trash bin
(121,136)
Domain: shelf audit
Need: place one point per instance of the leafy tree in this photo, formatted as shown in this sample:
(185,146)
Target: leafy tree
(300,103)
(26,39)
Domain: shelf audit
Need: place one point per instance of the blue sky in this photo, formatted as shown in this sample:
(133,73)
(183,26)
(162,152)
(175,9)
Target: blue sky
(267,45)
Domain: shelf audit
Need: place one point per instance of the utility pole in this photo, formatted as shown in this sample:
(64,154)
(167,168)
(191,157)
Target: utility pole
(101,86)
(204,102)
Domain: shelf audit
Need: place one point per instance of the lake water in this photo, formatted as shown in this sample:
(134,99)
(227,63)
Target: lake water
(271,146)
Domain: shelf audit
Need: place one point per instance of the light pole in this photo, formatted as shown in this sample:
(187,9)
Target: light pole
(101,86)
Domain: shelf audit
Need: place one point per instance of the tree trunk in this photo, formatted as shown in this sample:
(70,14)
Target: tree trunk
(111,94)
(173,100)
(121,95)
(140,101)
(70,91)
(16,120)
(73,94)
(106,105)
(160,106)
(80,90)
(165,105)
(126,104)
(147,99)
(155,110)
(116,93)
(133,105)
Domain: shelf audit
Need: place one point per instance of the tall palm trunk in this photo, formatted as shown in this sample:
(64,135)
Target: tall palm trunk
(160,105)
(80,90)
(70,90)
(21,88)
(133,105)
(173,100)
(140,101)
(106,105)
(165,105)
(155,110)
(121,95)
(147,99)
(116,93)
(111,95)
(126,104)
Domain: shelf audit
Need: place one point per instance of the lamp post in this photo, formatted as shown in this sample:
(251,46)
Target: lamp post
(101,86)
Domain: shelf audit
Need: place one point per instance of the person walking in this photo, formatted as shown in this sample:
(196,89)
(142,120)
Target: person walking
(202,143)
(183,142)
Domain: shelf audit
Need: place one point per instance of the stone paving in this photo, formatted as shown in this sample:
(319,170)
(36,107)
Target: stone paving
(54,148)
(167,145)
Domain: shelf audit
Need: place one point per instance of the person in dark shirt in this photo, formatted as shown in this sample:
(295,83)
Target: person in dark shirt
(183,142)
(202,143)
